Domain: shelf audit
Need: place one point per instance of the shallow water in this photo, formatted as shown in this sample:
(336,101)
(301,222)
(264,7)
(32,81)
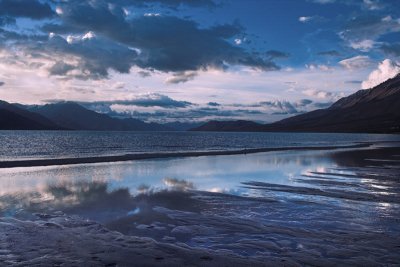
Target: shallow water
(308,207)
(17,145)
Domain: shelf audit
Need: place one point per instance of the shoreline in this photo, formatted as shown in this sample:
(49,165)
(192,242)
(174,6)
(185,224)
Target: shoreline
(162,155)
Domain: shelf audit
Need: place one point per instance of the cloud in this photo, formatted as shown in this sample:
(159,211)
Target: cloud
(25,8)
(363,45)
(174,4)
(181,77)
(166,43)
(318,93)
(143,100)
(90,38)
(391,49)
(213,104)
(280,107)
(323,1)
(302,102)
(7,21)
(305,19)
(356,62)
(86,56)
(372,4)
(179,185)
(274,54)
(2,83)
(361,31)
(386,69)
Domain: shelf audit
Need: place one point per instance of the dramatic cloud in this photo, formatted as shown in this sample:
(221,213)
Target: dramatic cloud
(356,62)
(92,37)
(386,69)
(166,43)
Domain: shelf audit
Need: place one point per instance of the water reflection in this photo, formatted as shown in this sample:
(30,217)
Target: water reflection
(118,191)
(261,205)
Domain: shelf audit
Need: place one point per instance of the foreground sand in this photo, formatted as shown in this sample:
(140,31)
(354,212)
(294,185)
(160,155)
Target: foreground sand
(347,216)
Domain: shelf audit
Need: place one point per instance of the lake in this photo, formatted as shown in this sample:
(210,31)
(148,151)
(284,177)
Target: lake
(335,207)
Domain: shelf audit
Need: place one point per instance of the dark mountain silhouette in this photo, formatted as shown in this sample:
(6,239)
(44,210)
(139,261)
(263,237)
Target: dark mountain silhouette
(73,116)
(375,110)
(229,126)
(13,117)
(182,126)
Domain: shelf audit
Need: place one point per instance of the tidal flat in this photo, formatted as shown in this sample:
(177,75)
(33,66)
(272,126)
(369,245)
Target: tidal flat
(287,208)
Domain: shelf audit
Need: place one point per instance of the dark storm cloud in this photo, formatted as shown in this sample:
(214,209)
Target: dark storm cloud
(166,43)
(95,56)
(2,83)
(25,8)
(151,42)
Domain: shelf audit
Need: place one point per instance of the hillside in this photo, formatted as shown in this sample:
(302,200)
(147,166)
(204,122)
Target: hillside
(374,110)
(73,116)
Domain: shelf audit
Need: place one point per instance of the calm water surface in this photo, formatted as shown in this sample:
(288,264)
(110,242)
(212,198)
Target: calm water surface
(60,144)
(342,204)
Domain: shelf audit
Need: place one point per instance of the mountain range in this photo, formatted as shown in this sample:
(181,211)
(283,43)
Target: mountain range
(375,110)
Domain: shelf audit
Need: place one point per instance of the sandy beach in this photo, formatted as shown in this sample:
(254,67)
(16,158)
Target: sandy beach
(343,210)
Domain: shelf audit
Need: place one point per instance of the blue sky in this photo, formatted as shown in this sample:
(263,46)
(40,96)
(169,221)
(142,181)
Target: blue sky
(168,60)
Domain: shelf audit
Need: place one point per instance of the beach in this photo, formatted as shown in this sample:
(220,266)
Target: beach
(276,208)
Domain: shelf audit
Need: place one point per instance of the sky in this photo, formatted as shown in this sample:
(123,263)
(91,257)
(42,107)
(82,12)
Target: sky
(196,60)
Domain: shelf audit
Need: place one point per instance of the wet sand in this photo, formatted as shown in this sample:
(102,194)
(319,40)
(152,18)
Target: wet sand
(344,215)
(142,156)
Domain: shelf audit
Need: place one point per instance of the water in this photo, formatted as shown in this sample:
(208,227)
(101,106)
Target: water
(66,144)
(331,207)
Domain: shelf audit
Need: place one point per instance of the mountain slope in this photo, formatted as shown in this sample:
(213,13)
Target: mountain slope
(73,116)
(15,118)
(375,110)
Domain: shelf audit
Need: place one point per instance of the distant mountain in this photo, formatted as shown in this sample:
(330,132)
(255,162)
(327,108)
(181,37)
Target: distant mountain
(375,110)
(228,126)
(182,126)
(73,116)
(13,117)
